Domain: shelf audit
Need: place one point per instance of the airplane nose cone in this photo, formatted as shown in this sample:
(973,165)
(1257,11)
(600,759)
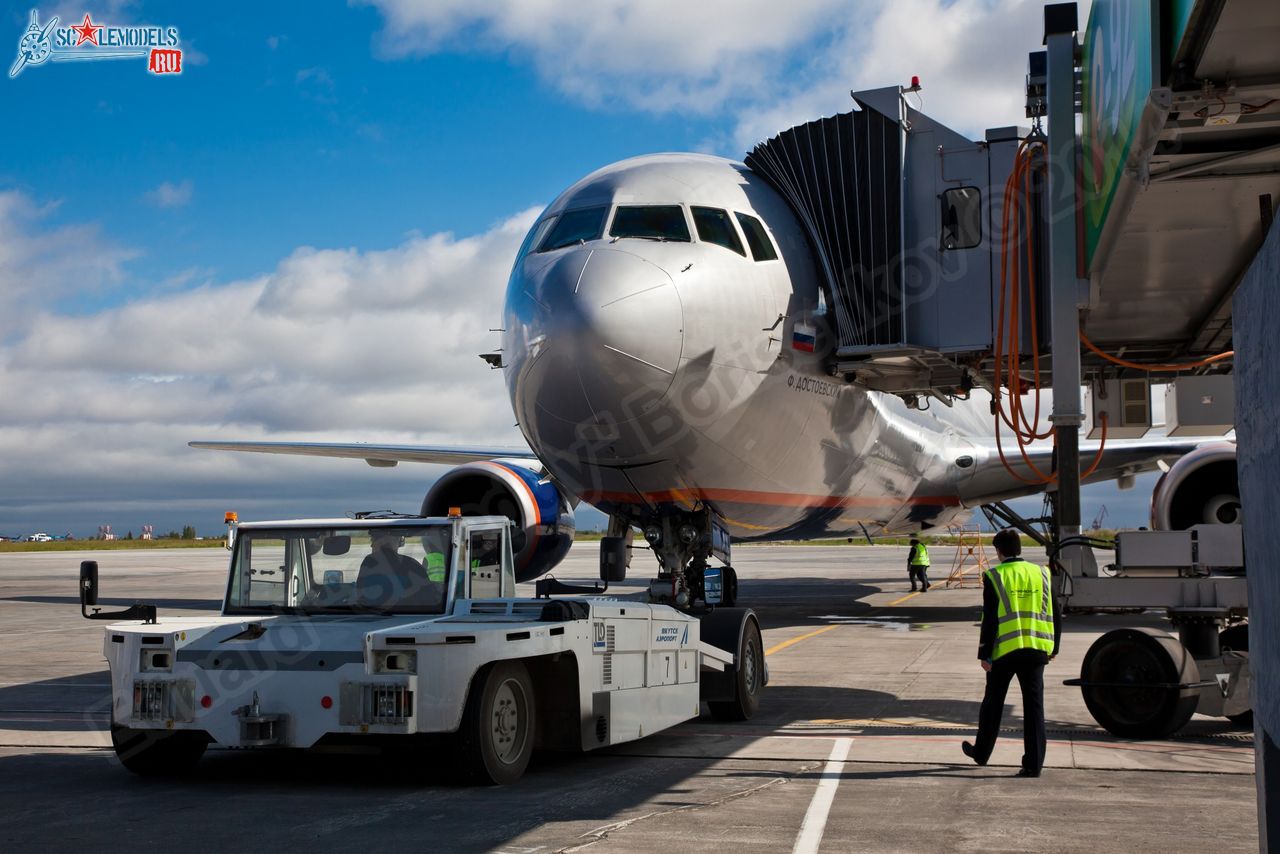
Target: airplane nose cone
(603,342)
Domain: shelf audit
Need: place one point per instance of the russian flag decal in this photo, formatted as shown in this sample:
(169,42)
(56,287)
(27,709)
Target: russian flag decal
(803,337)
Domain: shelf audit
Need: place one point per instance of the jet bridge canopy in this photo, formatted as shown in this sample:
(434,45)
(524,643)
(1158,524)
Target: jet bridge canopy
(843,177)
(902,213)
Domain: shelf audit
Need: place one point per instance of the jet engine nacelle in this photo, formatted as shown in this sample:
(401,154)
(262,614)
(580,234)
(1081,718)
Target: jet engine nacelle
(542,513)
(1202,488)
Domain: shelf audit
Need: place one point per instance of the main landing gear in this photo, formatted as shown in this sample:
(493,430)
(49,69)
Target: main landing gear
(684,543)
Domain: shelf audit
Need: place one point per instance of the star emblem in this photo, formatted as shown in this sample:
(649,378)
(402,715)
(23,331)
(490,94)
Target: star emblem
(88,32)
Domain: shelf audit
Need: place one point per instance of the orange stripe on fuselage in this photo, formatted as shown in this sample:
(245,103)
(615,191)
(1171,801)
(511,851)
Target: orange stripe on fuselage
(772,499)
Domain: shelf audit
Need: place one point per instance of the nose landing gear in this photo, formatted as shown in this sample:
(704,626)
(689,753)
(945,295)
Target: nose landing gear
(683,543)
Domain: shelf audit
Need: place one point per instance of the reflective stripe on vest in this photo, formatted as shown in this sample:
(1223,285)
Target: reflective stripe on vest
(1025,613)
(919,555)
(434,562)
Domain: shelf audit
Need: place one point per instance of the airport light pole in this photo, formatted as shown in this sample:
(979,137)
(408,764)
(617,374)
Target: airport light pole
(1068,293)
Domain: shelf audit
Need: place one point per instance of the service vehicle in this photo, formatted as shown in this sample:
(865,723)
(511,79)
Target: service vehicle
(398,629)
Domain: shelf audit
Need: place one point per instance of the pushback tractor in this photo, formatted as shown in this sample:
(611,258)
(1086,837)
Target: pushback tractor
(395,631)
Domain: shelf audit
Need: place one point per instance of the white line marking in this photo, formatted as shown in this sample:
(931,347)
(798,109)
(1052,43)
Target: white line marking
(815,819)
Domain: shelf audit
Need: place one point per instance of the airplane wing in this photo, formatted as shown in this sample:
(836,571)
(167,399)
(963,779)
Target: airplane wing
(1120,458)
(382,456)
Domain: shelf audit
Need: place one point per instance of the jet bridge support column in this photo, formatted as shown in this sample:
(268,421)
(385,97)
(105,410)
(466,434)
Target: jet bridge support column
(1068,293)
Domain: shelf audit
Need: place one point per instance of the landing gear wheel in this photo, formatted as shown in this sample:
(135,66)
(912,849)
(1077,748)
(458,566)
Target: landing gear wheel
(750,678)
(157,753)
(729,587)
(1236,638)
(495,740)
(1150,661)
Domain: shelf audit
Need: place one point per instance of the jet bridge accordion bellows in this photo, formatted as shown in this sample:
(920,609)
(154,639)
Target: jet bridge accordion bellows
(843,177)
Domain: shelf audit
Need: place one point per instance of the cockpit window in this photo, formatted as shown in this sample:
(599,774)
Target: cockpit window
(535,235)
(650,222)
(575,227)
(757,238)
(714,226)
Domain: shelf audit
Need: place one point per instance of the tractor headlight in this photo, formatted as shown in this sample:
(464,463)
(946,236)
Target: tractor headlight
(154,660)
(397,661)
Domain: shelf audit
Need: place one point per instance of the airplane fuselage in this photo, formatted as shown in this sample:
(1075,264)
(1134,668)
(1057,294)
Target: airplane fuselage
(656,364)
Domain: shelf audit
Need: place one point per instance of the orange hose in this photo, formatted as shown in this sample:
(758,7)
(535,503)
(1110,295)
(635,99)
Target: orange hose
(1035,335)
(1007,358)
(1125,363)
(1097,458)
(1010,279)
(1026,430)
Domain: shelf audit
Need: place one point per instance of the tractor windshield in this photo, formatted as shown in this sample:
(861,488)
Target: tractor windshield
(385,569)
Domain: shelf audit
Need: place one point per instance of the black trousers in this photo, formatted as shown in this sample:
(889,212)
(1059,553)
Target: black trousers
(917,573)
(1028,666)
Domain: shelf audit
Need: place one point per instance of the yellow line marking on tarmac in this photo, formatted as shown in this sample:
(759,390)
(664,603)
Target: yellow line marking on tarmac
(905,598)
(786,643)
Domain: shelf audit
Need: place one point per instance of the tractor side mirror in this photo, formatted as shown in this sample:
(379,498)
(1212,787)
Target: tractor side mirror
(88,583)
(89,598)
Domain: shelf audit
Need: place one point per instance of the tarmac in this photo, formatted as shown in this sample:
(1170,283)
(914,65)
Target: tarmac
(856,746)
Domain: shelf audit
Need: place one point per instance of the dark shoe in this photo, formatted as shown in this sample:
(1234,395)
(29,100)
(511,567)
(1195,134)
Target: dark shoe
(926,588)
(1027,772)
(913,590)
(968,750)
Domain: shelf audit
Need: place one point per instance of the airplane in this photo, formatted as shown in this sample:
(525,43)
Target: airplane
(665,351)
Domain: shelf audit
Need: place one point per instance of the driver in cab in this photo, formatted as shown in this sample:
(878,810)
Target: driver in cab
(388,578)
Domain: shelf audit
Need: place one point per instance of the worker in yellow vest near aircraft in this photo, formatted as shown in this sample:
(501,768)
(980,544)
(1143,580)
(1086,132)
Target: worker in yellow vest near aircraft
(918,564)
(1021,627)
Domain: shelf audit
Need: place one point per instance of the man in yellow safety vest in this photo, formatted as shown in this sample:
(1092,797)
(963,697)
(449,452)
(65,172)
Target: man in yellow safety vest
(1021,627)
(918,564)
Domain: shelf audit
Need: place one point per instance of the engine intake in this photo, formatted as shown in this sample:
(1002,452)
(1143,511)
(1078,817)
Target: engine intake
(542,513)
(1202,488)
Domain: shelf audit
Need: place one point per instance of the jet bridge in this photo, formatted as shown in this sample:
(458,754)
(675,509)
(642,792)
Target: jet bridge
(1179,165)
(904,214)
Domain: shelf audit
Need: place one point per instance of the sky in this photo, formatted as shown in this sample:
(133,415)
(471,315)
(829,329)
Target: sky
(306,234)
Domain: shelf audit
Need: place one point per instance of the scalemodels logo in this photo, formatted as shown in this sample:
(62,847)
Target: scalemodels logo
(90,41)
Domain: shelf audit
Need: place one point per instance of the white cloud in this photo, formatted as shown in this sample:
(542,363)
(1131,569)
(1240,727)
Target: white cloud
(316,84)
(40,264)
(317,75)
(171,195)
(334,344)
(771,65)
(659,55)
(971,57)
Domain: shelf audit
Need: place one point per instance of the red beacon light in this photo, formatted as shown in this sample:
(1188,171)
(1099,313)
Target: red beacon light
(915,84)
